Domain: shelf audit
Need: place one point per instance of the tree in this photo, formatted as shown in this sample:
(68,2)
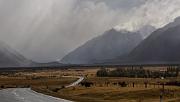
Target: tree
(103,72)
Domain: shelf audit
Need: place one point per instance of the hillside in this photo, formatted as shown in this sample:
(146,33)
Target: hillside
(11,58)
(110,45)
(162,46)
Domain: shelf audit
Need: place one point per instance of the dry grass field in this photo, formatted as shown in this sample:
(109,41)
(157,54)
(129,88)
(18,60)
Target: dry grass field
(33,79)
(104,89)
(113,93)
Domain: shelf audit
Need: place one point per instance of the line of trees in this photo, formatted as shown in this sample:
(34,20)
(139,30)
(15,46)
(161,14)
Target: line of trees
(138,73)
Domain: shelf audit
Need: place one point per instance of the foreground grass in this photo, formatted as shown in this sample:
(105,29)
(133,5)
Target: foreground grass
(113,93)
(20,82)
(50,82)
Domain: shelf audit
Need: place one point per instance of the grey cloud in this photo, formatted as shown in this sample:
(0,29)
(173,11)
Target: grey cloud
(46,30)
(153,12)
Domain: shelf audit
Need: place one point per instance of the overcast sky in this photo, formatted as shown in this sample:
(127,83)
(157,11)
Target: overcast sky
(46,30)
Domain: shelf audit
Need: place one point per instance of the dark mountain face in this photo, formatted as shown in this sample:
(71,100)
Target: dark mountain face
(162,46)
(110,45)
(11,58)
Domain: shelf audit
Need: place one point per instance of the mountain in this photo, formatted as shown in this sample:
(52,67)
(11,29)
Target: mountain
(110,45)
(146,30)
(10,58)
(50,64)
(162,46)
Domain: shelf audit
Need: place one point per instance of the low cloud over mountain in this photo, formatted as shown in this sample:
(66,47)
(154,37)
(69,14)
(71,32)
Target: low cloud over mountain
(110,45)
(11,58)
(162,46)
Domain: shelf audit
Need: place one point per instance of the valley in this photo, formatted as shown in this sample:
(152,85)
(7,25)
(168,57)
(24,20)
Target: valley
(93,89)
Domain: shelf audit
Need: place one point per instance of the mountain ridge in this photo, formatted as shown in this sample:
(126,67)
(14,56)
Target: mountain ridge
(109,45)
(11,58)
(162,46)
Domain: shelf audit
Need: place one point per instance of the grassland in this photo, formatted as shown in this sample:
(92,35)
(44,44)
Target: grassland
(113,93)
(33,79)
(50,82)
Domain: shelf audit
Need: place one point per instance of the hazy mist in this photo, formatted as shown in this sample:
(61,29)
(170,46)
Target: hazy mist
(47,30)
